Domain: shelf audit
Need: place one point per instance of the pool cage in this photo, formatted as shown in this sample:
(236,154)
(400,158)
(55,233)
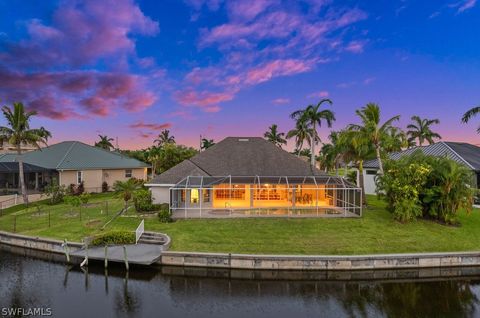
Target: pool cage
(244,196)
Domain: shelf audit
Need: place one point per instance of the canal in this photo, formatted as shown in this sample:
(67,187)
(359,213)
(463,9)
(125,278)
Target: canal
(35,280)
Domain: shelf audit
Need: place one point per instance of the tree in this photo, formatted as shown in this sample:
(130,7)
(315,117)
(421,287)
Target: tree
(301,133)
(396,140)
(420,129)
(275,137)
(331,154)
(471,113)
(371,128)
(170,155)
(164,138)
(313,116)
(105,142)
(152,156)
(125,189)
(355,148)
(18,133)
(206,143)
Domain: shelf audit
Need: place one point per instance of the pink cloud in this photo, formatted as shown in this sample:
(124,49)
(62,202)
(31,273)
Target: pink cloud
(368,80)
(280,101)
(320,94)
(355,47)
(151,126)
(208,101)
(467,4)
(248,9)
(277,68)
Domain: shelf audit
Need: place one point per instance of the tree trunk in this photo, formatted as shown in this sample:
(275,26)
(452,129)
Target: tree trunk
(361,182)
(21,176)
(380,164)
(312,148)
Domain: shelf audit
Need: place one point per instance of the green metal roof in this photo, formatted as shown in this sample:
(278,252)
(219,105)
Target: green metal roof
(75,155)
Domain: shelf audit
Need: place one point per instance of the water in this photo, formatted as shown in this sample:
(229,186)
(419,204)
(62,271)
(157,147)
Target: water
(30,282)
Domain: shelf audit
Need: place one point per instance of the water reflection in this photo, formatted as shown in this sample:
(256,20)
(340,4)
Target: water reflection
(175,292)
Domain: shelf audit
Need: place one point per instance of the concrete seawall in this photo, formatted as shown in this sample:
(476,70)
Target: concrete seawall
(273,262)
(288,262)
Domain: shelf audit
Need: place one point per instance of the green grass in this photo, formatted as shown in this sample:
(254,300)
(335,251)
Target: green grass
(375,232)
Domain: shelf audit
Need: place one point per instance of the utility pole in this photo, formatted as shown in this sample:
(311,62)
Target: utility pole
(200,144)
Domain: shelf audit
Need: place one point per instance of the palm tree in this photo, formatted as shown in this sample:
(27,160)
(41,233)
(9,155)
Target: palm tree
(164,138)
(420,129)
(355,148)
(372,129)
(206,143)
(301,133)
(105,142)
(277,138)
(469,114)
(313,116)
(396,140)
(18,133)
(125,189)
(153,156)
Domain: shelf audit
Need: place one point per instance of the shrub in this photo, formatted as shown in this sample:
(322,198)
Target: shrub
(80,189)
(401,185)
(114,238)
(85,197)
(104,186)
(426,186)
(55,192)
(71,189)
(164,216)
(142,200)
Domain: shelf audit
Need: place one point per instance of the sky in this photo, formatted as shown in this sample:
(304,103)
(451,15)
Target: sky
(219,68)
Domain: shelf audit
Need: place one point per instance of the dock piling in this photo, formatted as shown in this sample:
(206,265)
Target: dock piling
(126,257)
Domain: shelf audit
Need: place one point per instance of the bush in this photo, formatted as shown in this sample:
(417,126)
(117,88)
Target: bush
(104,186)
(424,186)
(80,189)
(85,197)
(55,192)
(164,216)
(114,238)
(142,200)
(71,189)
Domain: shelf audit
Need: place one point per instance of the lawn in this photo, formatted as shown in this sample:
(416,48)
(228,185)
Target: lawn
(375,232)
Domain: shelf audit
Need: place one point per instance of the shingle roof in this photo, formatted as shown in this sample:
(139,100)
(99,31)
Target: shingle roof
(463,153)
(75,155)
(239,156)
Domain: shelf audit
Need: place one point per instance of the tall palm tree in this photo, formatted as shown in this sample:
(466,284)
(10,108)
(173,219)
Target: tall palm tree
(275,137)
(372,129)
(396,140)
(206,143)
(301,133)
(355,148)
(471,113)
(18,133)
(125,189)
(153,156)
(164,138)
(105,142)
(313,116)
(420,129)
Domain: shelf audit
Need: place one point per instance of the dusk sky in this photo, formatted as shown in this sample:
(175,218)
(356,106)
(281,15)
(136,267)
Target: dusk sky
(128,69)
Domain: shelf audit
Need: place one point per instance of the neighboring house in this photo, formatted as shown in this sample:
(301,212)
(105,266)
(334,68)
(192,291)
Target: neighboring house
(249,176)
(8,148)
(463,153)
(70,162)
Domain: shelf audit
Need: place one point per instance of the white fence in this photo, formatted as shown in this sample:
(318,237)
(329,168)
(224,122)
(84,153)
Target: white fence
(139,231)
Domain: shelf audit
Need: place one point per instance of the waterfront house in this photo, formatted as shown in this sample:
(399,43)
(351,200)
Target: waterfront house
(463,153)
(69,162)
(250,176)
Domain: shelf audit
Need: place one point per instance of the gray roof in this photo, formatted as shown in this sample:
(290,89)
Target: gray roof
(75,155)
(463,153)
(12,167)
(239,156)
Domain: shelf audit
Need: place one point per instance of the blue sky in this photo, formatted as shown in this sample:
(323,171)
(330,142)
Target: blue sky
(219,68)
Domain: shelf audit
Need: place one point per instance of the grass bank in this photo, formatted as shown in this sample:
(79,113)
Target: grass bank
(375,232)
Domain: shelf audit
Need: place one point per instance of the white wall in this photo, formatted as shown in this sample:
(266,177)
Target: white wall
(369,182)
(160,194)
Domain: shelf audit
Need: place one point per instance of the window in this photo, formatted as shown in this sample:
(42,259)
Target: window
(128,173)
(206,195)
(267,192)
(79,177)
(224,192)
(371,172)
(194,196)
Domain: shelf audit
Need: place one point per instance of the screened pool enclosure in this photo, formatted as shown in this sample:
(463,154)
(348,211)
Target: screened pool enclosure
(242,196)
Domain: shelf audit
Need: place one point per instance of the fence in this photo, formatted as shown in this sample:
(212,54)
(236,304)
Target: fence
(41,217)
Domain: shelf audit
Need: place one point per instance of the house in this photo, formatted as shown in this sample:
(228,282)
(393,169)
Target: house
(463,153)
(249,176)
(5,147)
(70,162)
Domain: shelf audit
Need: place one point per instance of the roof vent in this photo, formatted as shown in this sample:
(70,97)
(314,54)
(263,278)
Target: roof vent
(243,139)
